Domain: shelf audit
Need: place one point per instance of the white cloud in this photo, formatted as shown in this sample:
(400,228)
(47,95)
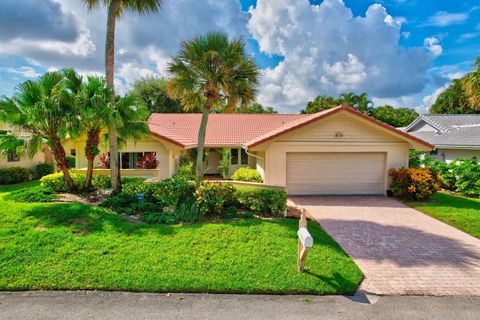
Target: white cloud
(443,19)
(327,50)
(24,71)
(432,45)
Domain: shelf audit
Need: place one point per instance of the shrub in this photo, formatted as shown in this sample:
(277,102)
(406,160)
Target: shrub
(121,200)
(187,212)
(14,175)
(414,183)
(213,197)
(267,202)
(247,174)
(461,175)
(71,162)
(44,169)
(186,171)
(57,183)
(155,217)
(168,192)
(33,194)
(101,181)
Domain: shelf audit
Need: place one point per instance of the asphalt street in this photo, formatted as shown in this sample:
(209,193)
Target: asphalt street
(123,305)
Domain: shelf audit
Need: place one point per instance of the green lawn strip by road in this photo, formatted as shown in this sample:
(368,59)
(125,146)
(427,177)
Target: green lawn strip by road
(459,212)
(75,246)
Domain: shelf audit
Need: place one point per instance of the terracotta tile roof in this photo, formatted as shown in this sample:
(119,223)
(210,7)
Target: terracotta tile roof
(242,129)
(222,129)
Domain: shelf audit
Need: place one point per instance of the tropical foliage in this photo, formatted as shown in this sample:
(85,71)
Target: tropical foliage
(225,163)
(211,71)
(461,175)
(44,108)
(153,93)
(396,117)
(360,102)
(462,96)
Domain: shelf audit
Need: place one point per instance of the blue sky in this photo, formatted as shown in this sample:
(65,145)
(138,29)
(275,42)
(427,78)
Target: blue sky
(401,52)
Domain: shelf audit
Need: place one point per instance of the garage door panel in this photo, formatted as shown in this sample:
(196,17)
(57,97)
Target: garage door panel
(335,173)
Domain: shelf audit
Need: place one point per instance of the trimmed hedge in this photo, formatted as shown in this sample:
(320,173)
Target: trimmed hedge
(57,183)
(266,202)
(14,175)
(101,181)
(247,174)
(44,169)
(169,192)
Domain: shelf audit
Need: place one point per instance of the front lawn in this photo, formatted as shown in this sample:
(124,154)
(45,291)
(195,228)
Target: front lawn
(460,212)
(75,246)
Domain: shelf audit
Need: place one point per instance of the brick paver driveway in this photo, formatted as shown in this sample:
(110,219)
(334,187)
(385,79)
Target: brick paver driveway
(400,250)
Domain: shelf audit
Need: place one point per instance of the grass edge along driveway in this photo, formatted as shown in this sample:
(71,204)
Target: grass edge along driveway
(459,212)
(76,246)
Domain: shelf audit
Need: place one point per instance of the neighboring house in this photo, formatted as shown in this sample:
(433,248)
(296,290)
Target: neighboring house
(337,151)
(14,160)
(454,136)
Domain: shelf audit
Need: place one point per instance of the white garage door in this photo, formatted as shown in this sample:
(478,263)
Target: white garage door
(335,173)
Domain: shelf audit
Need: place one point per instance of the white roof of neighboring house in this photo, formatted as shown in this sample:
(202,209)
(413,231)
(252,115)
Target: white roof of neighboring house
(460,131)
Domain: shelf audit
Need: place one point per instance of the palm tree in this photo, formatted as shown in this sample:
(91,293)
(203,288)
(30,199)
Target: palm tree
(95,114)
(211,71)
(115,9)
(45,109)
(471,84)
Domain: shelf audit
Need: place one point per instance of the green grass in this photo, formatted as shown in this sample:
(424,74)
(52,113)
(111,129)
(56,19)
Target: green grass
(75,246)
(459,212)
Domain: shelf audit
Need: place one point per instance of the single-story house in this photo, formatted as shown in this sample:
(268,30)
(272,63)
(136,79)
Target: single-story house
(453,135)
(336,151)
(12,159)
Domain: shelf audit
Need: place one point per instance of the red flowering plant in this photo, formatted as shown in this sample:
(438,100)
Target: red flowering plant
(105,161)
(148,161)
(414,183)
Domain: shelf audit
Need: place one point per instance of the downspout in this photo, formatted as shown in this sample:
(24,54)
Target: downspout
(251,154)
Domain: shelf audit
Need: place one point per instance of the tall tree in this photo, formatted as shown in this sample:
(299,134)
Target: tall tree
(471,83)
(320,103)
(396,117)
(211,71)
(115,9)
(46,110)
(153,92)
(453,100)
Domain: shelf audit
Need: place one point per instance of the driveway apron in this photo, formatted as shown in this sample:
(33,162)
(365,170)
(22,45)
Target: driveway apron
(400,250)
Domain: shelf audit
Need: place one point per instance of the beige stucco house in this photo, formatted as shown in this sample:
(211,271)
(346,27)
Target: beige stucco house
(12,159)
(337,151)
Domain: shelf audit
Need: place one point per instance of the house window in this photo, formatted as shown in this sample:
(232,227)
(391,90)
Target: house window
(73,152)
(244,157)
(234,156)
(13,157)
(138,160)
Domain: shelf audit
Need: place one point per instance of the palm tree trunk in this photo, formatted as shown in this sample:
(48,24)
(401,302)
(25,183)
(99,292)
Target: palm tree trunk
(91,147)
(201,140)
(61,160)
(113,11)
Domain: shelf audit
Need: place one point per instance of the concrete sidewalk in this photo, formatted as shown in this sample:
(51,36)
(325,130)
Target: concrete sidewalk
(122,306)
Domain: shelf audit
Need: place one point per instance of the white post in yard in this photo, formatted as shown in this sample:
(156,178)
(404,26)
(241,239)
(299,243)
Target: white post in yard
(305,241)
